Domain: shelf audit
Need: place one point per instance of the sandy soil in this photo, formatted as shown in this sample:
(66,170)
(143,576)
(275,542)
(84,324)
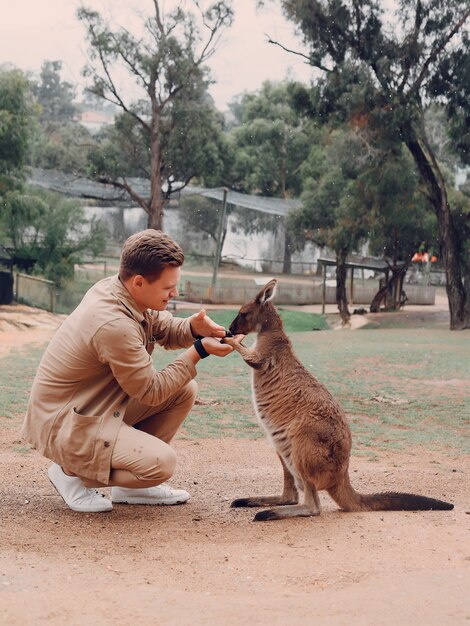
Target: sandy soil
(204,563)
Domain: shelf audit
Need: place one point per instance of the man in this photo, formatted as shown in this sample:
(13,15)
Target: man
(98,408)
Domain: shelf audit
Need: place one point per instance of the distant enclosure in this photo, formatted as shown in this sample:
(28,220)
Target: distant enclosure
(228,289)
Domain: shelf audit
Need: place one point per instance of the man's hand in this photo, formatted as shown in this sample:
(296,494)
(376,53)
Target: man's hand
(214,346)
(202,325)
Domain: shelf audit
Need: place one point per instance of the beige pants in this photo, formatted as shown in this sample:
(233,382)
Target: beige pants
(142,456)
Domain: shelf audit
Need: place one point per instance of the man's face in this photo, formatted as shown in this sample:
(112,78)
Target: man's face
(156,295)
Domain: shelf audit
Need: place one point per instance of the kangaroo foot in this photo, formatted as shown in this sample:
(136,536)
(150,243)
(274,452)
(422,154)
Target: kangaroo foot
(285,512)
(263,501)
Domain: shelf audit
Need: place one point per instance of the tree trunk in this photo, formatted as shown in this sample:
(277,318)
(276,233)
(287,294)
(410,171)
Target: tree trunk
(449,248)
(155,217)
(341,279)
(157,200)
(392,286)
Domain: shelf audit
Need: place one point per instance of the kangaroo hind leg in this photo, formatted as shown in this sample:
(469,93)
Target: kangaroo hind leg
(290,494)
(310,507)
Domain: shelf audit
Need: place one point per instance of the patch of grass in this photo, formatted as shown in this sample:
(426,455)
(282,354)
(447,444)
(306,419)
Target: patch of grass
(17,371)
(294,321)
(367,371)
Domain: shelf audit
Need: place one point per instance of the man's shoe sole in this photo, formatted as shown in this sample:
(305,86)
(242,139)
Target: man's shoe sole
(148,501)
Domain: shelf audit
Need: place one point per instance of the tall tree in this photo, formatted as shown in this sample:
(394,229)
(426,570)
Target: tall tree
(60,141)
(333,212)
(171,127)
(54,95)
(357,191)
(380,68)
(270,142)
(17,118)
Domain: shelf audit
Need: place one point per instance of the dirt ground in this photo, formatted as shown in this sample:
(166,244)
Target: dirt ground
(204,563)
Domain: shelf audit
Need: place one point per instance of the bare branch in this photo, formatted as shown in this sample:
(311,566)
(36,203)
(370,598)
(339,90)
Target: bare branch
(126,187)
(307,58)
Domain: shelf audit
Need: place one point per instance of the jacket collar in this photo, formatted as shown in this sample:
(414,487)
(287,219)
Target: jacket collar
(119,290)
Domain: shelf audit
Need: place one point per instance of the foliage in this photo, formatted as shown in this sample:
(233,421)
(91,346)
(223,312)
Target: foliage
(169,129)
(60,141)
(270,140)
(51,230)
(16,120)
(55,96)
(200,214)
(377,70)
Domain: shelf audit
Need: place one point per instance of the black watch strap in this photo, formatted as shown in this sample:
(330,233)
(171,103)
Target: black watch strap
(200,348)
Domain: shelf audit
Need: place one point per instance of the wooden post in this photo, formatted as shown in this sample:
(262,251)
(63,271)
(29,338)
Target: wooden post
(323,299)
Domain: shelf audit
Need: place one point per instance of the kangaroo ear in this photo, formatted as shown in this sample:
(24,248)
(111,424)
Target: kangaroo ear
(268,292)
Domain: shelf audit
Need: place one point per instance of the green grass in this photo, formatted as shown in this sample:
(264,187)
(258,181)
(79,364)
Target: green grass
(294,321)
(424,369)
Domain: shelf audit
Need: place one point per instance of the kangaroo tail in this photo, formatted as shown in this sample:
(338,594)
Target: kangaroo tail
(348,499)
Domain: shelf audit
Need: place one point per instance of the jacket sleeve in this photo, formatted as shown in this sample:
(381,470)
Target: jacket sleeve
(171,332)
(120,345)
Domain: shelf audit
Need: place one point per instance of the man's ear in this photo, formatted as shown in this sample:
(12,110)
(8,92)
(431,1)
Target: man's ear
(268,292)
(137,281)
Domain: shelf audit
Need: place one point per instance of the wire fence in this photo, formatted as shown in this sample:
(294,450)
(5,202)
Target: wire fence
(296,289)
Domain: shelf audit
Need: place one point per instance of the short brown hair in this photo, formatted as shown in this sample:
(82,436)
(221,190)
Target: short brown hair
(148,253)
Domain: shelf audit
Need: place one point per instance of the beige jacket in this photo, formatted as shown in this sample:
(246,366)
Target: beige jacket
(97,360)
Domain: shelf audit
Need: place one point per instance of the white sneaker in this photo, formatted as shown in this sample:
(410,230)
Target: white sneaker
(75,494)
(162,494)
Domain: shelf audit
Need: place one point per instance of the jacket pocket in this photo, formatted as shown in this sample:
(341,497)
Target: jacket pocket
(76,437)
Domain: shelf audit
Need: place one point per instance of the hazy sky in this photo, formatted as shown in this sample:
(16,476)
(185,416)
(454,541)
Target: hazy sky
(32,31)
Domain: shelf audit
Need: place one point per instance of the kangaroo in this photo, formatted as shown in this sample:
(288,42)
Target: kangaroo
(305,424)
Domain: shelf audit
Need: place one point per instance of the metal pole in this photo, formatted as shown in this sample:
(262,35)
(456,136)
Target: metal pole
(218,252)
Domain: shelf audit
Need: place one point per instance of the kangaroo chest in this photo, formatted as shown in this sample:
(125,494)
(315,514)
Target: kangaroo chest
(268,409)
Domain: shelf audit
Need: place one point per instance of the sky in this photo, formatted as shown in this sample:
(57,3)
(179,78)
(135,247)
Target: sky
(32,31)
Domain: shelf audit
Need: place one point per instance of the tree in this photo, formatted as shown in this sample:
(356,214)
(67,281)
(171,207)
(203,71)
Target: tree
(380,70)
(170,132)
(201,214)
(55,96)
(50,230)
(357,191)
(16,122)
(270,141)
(60,141)
(333,213)
(402,223)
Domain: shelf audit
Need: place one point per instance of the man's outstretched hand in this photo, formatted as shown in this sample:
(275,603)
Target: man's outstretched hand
(202,325)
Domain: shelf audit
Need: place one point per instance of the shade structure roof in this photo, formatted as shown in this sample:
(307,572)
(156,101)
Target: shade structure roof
(79,186)
(357,261)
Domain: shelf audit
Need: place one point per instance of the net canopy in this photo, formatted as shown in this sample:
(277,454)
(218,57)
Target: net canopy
(81,187)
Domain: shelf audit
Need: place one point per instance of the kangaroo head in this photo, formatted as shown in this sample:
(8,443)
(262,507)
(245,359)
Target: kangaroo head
(255,313)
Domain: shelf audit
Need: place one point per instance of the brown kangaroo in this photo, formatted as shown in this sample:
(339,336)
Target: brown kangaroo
(306,425)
